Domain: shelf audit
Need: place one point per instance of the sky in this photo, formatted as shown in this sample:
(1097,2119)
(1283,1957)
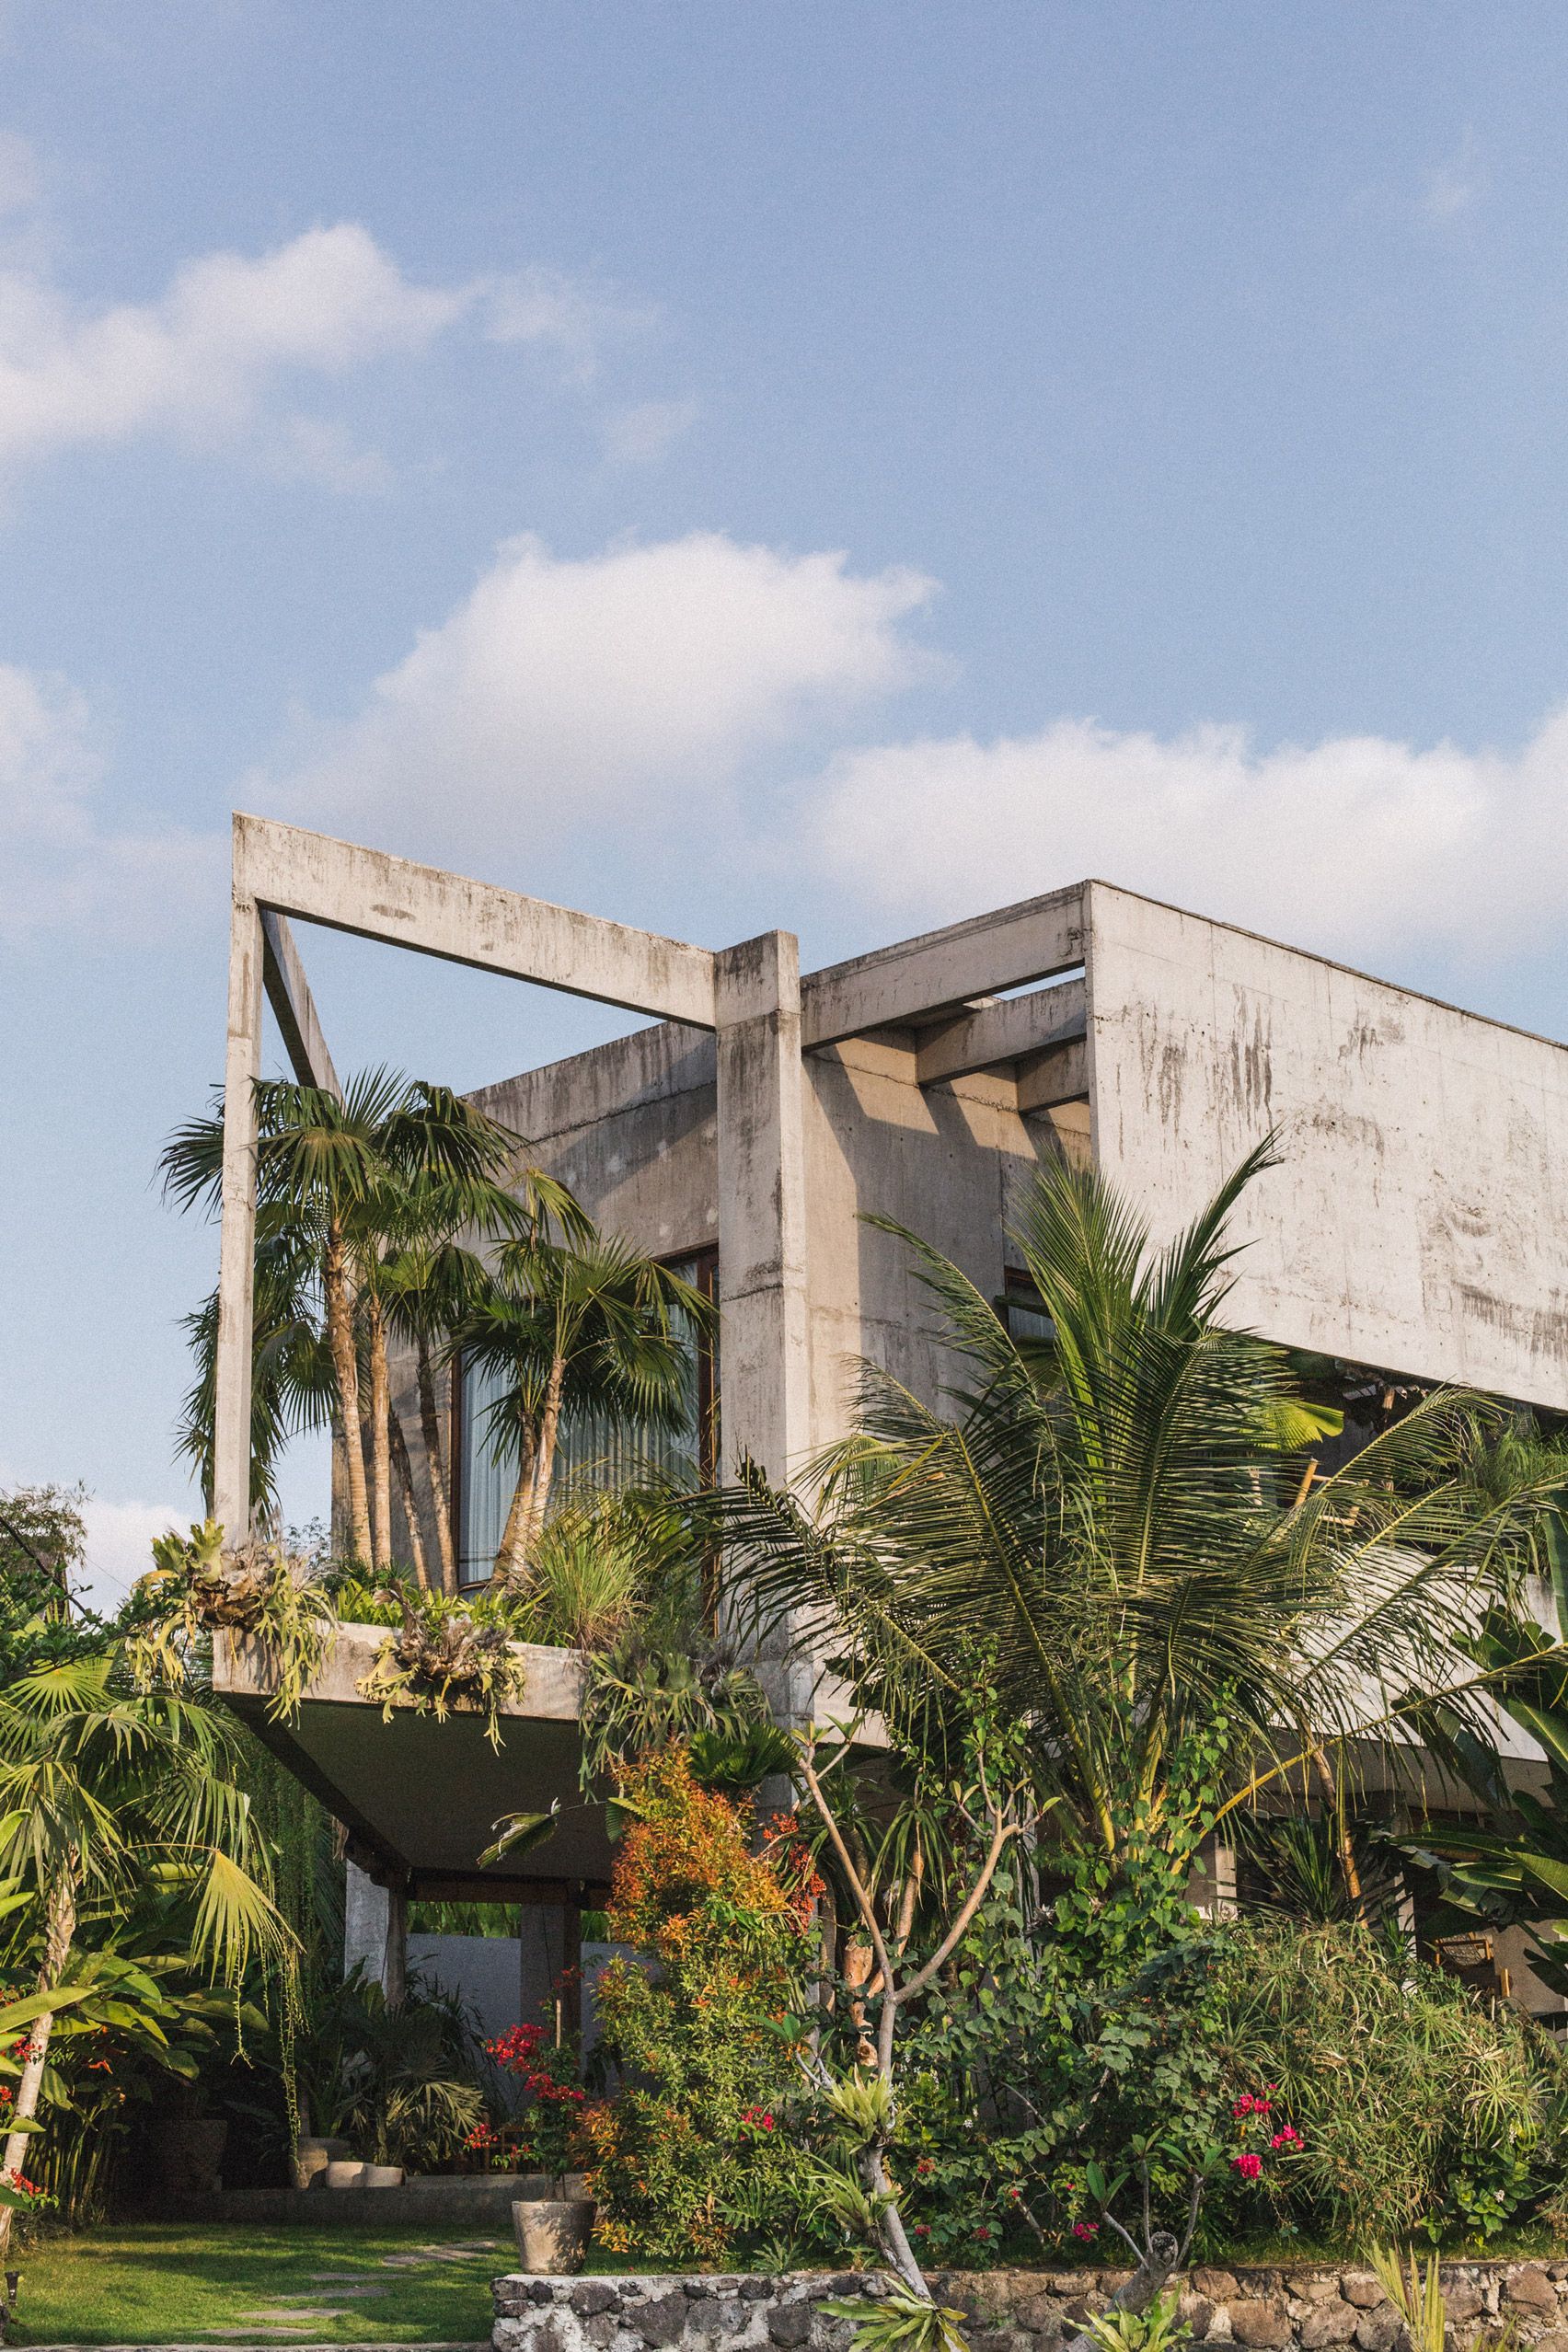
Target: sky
(838,467)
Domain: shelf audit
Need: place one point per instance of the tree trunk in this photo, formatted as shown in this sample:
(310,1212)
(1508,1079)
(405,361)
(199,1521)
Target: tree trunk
(544,1460)
(345,1365)
(1142,2287)
(512,1558)
(410,1502)
(1341,1827)
(59,1926)
(380,1437)
(435,1463)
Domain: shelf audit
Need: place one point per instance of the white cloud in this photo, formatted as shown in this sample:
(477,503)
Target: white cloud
(1354,845)
(64,865)
(119,1547)
(211,358)
(641,435)
(633,683)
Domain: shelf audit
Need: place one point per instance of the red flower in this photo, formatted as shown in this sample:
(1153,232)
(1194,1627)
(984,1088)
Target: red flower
(1086,2229)
(1248,2165)
(1289,2137)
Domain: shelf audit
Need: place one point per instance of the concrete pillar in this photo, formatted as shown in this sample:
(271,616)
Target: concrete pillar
(764,1370)
(242,1064)
(375,1931)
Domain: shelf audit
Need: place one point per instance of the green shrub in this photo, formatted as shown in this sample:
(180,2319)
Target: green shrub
(1422,2108)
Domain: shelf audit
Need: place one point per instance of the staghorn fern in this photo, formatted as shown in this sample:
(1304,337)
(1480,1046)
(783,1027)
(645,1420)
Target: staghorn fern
(258,1589)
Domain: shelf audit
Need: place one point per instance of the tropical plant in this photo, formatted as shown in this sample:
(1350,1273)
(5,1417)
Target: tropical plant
(258,1590)
(292,1385)
(989,1791)
(448,1654)
(573,1328)
(394,2079)
(1157,2329)
(1511,1867)
(333,1174)
(691,2155)
(103,1790)
(1418,2298)
(1419,2108)
(1107,1513)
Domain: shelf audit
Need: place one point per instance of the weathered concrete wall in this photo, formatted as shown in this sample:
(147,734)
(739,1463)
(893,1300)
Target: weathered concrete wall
(1420,1221)
(1300,2310)
(941,1159)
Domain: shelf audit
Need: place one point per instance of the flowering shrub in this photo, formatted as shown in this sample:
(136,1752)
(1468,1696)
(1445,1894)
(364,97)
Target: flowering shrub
(691,2155)
(546,2137)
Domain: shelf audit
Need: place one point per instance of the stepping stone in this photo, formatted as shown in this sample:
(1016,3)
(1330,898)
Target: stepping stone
(339,2294)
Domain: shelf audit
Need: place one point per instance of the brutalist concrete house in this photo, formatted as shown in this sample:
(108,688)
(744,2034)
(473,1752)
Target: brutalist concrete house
(1418,1227)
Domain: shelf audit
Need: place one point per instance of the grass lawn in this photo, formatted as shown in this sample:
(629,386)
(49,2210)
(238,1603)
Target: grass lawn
(168,2284)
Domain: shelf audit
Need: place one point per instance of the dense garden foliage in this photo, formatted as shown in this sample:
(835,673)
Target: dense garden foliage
(1130,1607)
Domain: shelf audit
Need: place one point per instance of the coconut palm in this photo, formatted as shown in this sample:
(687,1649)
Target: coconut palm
(1106,1513)
(330,1166)
(103,1790)
(574,1328)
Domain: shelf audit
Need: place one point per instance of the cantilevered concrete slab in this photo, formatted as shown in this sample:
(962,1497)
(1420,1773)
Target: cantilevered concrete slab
(421,1798)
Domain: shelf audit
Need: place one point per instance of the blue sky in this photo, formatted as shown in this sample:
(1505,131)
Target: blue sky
(834,465)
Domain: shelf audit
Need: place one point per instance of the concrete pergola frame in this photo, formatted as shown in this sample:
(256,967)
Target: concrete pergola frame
(751,996)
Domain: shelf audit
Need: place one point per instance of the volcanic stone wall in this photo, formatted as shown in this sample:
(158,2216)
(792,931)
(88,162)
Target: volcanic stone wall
(1019,2310)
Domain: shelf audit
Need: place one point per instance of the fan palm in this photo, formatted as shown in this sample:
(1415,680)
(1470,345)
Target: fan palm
(292,1386)
(574,1328)
(102,1791)
(1106,1513)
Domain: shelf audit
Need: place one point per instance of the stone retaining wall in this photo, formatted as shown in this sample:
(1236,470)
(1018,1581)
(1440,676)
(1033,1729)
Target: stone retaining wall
(1302,2310)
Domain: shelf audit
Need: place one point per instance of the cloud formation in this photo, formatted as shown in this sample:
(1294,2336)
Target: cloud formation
(638,683)
(65,866)
(1357,844)
(213,357)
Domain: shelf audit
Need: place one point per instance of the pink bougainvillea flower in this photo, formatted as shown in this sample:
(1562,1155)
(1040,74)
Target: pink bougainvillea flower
(1248,2165)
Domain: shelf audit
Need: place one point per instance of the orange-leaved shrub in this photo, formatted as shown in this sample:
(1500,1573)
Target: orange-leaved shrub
(689,2158)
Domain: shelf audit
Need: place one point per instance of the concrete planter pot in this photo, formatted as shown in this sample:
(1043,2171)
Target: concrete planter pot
(552,2233)
(347,2173)
(312,2158)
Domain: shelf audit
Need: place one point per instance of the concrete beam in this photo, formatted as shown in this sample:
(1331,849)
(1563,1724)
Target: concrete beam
(1002,1031)
(1059,1076)
(237,1249)
(294,1007)
(376,897)
(1029,942)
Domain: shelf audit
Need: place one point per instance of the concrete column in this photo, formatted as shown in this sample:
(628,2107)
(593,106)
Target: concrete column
(764,1371)
(231,1464)
(375,1931)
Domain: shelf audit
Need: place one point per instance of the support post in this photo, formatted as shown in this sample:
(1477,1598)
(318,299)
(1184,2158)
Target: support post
(764,1365)
(236,1249)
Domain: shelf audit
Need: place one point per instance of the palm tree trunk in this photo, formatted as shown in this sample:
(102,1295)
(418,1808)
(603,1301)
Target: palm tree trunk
(345,1364)
(60,1927)
(435,1462)
(380,1436)
(411,1502)
(1334,1812)
(512,1558)
(544,1460)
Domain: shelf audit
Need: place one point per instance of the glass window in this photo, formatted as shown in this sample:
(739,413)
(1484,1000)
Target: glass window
(594,1452)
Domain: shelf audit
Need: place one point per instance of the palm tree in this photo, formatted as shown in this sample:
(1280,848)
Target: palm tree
(1106,1513)
(574,1328)
(332,1167)
(103,1790)
(429,1282)
(292,1386)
